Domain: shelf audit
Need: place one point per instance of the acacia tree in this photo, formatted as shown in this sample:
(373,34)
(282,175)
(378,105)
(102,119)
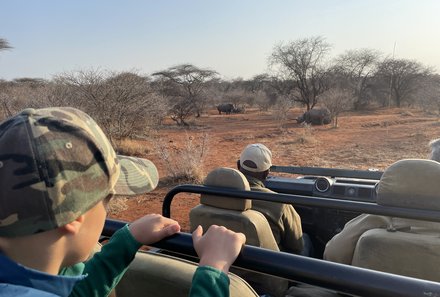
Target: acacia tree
(403,77)
(184,86)
(357,67)
(303,63)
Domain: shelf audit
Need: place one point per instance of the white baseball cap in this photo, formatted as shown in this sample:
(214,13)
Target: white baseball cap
(256,158)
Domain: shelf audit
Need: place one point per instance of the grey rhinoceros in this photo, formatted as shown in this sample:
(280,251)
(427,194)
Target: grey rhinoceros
(317,116)
(225,107)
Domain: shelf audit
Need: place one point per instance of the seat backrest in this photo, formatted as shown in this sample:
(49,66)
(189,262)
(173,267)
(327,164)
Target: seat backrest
(233,213)
(236,214)
(404,246)
(159,275)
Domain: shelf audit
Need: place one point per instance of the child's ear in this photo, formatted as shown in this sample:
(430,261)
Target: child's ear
(74,226)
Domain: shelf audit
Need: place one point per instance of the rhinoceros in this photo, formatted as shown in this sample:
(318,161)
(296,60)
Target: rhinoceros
(225,107)
(317,116)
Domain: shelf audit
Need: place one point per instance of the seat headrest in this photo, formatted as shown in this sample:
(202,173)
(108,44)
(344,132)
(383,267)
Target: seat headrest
(411,183)
(226,178)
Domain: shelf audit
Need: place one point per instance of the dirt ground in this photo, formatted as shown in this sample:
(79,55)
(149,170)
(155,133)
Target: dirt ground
(368,139)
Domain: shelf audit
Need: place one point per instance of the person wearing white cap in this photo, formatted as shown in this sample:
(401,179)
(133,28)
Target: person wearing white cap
(255,162)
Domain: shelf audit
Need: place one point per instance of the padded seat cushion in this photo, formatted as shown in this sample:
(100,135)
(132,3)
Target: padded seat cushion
(390,244)
(414,253)
(411,183)
(158,275)
(236,214)
(250,222)
(226,178)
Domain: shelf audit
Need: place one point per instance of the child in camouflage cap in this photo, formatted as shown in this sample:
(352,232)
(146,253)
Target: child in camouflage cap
(58,172)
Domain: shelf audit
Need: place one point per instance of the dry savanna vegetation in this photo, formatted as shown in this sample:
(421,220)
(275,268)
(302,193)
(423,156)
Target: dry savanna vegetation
(381,109)
(368,139)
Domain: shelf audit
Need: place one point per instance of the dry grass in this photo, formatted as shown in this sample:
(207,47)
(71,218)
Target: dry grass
(407,113)
(184,163)
(117,205)
(306,136)
(131,147)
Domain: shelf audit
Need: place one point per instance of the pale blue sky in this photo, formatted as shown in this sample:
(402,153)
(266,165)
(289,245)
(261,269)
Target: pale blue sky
(233,37)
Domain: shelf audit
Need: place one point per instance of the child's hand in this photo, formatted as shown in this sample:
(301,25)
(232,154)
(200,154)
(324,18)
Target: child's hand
(152,228)
(219,247)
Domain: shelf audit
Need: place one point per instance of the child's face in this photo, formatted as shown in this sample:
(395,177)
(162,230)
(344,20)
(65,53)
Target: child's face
(90,231)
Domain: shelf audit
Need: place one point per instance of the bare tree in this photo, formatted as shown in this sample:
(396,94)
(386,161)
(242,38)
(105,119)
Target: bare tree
(234,92)
(84,89)
(428,94)
(269,91)
(337,100)
(302,62)
(121,102)
(357,67)
(281,111)
(284,88)
(136,107)
(22,93)
(184,86)
(258,85)
(5,100)
(404,77)
(4,45)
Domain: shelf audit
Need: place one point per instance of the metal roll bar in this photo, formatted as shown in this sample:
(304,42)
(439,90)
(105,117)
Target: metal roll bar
(333,172)
(349,205)
(333,276)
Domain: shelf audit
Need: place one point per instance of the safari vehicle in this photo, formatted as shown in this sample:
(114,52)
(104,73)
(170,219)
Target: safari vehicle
(322,222)
(326,200)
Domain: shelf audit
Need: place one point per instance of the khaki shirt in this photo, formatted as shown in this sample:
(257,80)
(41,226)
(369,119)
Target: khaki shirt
(283,219)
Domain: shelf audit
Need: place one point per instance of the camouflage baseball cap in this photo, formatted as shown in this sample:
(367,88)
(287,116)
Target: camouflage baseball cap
(56,164)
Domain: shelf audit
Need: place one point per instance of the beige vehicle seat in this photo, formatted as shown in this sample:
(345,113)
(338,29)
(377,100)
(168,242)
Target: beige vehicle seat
(236,214)
(158,275)
(396,245)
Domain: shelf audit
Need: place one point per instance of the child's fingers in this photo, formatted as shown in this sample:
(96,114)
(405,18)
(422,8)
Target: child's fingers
(170,230)
(197,234)
(152,228)
(173,228)
(241,237)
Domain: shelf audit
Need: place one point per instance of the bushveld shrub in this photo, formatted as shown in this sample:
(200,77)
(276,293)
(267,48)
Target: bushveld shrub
(406,113)
(337,100)
(281,112)
(20,94)
(305,135)
(122,103)
(115,206)
(185,163)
